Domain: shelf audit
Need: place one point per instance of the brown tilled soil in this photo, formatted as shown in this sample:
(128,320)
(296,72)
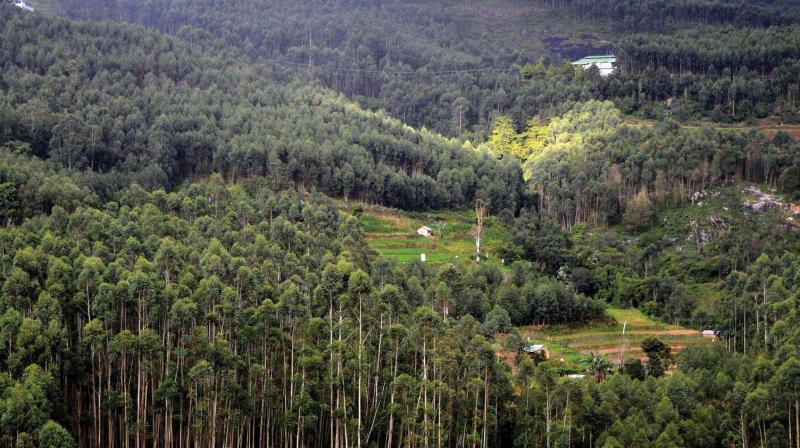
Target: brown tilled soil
(679,332)
(633,352)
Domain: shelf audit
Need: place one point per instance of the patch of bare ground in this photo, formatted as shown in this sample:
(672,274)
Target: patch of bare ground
(676,332)
(631,352)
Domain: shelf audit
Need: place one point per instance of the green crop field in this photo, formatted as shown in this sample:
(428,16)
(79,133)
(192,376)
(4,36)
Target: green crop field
(377,225)
(573,344)
(392,233)
(635,319)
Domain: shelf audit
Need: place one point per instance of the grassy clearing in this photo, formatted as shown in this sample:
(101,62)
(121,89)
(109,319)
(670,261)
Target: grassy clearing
(412,254)
(392,233)
(635,319)
(573,344)
(380,224)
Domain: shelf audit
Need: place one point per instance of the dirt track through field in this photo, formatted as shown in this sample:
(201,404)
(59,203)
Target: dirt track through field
(677,332)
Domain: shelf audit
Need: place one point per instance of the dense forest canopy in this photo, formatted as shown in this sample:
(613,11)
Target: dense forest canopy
(648,15)
(434,64)
(587,165)
(184,260)
(119,100)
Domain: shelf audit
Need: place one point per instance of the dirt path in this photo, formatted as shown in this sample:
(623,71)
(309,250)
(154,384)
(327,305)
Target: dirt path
(676,332)
(633,352)
(615,350)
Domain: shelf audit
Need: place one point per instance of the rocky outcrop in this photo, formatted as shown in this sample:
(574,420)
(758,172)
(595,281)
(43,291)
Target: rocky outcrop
(761,201)
(697,195)
(702,232)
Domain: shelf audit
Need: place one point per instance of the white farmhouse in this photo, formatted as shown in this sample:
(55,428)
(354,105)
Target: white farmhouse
(425,231)
(24,4)
(606,64)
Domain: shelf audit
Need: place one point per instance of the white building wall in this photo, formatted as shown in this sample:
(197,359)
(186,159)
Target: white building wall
(23,4)
(605,68)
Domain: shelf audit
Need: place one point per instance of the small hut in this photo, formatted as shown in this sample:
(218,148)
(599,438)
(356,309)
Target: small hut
(537,352)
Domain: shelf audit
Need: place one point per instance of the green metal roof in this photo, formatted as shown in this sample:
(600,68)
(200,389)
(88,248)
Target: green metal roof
(596,59)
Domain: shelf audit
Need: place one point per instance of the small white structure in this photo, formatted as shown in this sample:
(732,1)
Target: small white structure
(422,258)
(606,64)
(23,4)
(425,231)
(537,350)
(710,333)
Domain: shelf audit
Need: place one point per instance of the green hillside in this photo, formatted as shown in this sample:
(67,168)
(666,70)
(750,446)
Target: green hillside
(210,209)
(393,234)
(175,112)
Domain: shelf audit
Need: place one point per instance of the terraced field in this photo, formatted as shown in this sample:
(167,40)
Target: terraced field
(574,344)
(393,234)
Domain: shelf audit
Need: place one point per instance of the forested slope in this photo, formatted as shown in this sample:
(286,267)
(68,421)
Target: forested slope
(442,65)
(224,316)
(128,104)
(589,165)
(172,273)
(660,15)
(725,60)
(411,59)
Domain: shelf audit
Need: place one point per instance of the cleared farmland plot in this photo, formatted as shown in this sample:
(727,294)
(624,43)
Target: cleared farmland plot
(573,344)
(392,233)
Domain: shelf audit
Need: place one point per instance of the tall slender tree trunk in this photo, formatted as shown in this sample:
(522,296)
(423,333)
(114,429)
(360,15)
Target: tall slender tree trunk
(358,369)
(484,438)
(390,431)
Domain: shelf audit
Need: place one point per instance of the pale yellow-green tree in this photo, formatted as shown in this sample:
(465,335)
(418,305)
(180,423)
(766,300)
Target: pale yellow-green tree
(504,138)
(534,138)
